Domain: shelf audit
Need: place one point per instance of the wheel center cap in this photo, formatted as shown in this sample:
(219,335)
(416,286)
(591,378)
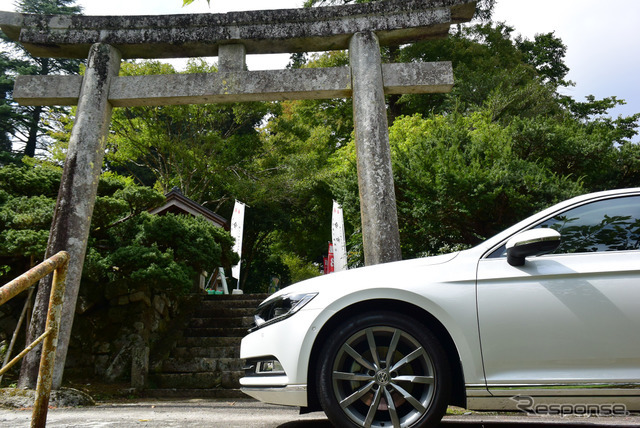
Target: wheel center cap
(383,378)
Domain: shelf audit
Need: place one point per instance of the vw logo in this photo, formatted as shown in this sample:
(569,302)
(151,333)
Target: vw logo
(382,377)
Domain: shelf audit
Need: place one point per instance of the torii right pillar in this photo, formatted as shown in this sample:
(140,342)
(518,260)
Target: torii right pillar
(380,232)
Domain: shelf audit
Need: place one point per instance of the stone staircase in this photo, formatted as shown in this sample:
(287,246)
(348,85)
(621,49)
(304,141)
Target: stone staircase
(205,361)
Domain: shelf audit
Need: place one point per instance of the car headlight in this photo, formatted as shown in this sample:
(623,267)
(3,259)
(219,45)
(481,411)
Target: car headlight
(280,308)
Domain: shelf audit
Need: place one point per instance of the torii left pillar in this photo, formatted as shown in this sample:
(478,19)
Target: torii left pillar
(74,207)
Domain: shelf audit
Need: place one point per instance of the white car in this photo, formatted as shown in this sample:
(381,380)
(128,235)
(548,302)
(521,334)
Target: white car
(544,317)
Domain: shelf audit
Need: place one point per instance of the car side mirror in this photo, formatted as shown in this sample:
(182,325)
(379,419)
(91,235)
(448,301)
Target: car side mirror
(531,243)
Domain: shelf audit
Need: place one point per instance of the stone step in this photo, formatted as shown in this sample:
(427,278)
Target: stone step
(212,322)
(218,332)
(216,393)
(259,297)
(198,365)
(208,342)
(203,352)
(202,380)
(223,312)
(219,304)
(205,361)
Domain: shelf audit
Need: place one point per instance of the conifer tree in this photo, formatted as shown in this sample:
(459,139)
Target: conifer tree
(24,124)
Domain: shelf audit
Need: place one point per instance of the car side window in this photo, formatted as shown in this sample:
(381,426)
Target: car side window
(606,225)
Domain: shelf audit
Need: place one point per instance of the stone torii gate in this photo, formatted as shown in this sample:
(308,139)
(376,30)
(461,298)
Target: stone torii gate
(106,40)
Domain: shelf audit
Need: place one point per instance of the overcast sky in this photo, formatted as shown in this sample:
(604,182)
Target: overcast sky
(601,37)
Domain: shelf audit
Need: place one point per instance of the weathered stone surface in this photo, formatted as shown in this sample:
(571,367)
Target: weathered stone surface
(268,85)
(266,31)
(159,304)
(79,185)
(418,78)
(380,233)
(139,367)
(75,203)
(232,57)
(59,90)
(200,380)
(217,321)
(83,305)
(120,363)
(137,296)
(220,331)
(64,397)
(207,352)
(138,326)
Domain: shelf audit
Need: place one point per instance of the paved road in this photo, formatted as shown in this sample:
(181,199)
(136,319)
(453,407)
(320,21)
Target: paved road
(250,414)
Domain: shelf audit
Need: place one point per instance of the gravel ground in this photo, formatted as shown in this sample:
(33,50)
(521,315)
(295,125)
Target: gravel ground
(200,413)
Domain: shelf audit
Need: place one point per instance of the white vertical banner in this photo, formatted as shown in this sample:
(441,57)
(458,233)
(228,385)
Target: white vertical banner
(237,226)
(337,238)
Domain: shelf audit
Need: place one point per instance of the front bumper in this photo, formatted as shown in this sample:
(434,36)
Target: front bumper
(289,342)
(292,395)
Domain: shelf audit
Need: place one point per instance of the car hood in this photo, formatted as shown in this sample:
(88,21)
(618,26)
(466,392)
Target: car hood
(324,282)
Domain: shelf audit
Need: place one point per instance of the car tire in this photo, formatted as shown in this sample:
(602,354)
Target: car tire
(359,387)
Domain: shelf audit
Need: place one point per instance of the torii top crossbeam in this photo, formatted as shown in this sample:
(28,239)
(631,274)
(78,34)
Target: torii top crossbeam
(268,31)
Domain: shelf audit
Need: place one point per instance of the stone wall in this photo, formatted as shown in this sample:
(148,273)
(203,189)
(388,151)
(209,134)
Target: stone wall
(109,339)
(112,334)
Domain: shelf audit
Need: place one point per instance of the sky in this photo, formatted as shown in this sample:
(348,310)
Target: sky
(602,38)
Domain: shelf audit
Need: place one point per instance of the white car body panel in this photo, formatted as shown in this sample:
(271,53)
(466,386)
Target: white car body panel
(550,345)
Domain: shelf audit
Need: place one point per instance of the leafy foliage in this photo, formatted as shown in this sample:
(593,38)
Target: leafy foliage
(128,246)
(27,199)
(188,2)
(460,183)
(27,124)
(6,112)
(546,54)
(164,253)
(198,148)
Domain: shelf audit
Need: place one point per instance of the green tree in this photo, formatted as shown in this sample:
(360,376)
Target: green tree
(25,124)
(27,199)
(546,54)
(6,116)
(201,149)
(459,181)
(126,243)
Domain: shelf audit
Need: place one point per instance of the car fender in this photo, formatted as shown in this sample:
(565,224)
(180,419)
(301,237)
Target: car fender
(456,319)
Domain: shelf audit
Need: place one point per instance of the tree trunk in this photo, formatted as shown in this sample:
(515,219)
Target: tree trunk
(34,121)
